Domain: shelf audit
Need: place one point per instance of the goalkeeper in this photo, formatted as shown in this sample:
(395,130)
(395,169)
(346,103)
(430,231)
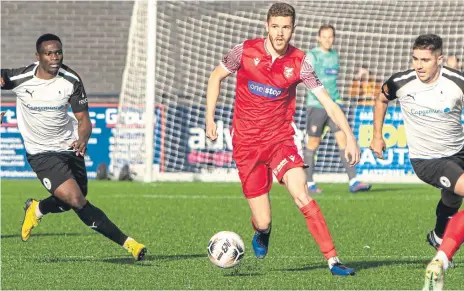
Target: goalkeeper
(324,59)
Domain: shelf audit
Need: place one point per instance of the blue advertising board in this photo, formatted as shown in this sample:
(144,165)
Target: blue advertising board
(13,163)
(396,157)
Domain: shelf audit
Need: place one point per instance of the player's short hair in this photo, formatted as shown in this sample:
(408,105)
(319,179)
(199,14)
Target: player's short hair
(431,42)
(46,37)
(326,26)
(281,9)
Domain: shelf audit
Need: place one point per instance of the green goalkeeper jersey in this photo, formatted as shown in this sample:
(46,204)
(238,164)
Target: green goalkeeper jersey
(326,65)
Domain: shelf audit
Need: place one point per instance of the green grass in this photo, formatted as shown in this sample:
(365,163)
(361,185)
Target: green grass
(380,233)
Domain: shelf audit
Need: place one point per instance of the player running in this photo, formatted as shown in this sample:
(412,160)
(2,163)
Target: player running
(55,143)
(268,71)
(431,98)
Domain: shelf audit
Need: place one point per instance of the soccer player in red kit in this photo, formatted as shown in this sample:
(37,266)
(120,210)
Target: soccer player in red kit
(268,71)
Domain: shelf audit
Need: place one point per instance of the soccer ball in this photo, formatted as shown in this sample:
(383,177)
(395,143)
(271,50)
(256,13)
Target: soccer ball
(226,249)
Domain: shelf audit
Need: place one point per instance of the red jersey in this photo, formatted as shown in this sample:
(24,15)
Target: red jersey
(266,91)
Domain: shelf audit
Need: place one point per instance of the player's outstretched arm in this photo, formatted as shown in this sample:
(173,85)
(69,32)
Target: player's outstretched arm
(352,151)
(6,74)
(212,95)
(380,109)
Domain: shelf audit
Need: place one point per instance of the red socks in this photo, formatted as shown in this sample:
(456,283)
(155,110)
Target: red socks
(318,228)
(454,235)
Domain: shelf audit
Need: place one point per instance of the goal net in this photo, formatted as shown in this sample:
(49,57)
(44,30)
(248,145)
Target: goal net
(373,38)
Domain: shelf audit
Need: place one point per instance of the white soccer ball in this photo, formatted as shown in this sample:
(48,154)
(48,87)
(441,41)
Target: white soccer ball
(226,249)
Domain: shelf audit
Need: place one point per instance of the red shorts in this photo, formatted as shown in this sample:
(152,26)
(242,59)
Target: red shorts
(256,164)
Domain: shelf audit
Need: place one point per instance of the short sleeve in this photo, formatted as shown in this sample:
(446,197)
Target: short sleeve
(389,89)
(232,60)
(308,76)
(78,98)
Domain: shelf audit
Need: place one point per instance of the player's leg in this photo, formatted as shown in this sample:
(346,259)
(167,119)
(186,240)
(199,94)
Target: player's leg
(448,206)
(340,138)
(287,167)
(315,121)
(35,209)
(452,240)
(261,221)
(448,175)
(74,192)
(256,181)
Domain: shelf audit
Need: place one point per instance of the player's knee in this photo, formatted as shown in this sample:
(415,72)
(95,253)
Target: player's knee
(451,199)
(76,200)
(262,223)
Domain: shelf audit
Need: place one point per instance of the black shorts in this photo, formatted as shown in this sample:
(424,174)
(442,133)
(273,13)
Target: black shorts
(442,173)
(54,168)
(316,119)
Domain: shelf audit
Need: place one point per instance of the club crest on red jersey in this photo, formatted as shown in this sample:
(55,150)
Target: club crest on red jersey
(288,72)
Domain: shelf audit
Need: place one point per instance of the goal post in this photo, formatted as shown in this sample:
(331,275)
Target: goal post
(173,47)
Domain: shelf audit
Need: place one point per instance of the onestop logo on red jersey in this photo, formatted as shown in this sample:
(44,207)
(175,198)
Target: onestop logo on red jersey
(264,90)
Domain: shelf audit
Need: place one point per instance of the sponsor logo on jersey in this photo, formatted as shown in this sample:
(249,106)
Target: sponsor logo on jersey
(46,107)
(330,71)
(264,90)
(256,60)
(83,101)
(427,112)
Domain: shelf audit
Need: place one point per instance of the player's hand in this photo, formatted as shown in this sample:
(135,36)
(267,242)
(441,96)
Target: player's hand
(79,147)
(2,82)
(378,147)
(211,129)
(1,116)
(352,152)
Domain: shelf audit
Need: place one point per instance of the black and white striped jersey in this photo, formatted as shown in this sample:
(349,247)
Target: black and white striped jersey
(431,112)
(42,107)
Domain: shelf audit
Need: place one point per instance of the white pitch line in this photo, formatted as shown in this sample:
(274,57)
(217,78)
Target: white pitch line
(345,256)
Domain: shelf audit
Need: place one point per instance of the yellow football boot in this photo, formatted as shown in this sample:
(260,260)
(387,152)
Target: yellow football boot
(30,219)
(137,250)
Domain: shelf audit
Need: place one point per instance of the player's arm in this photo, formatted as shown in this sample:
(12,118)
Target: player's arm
(334,112)
(80,108)
(6,74)
(380,109)
(7,84)
(352,151)
(229,64)
(212,95)
(311,81)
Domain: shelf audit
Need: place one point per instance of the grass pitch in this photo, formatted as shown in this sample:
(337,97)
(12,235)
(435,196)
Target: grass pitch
(381,233)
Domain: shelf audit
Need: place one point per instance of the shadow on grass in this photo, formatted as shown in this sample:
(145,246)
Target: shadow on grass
(360,265)
(123,260)
(18,235)
(239,274)
(154,258)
